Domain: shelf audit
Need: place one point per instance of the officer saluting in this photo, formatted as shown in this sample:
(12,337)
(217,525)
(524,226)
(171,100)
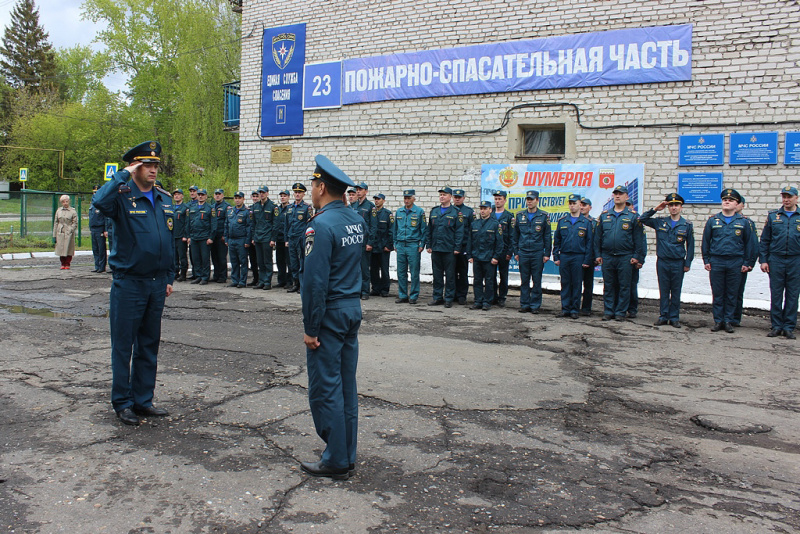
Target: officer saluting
(330,295)
(144,270)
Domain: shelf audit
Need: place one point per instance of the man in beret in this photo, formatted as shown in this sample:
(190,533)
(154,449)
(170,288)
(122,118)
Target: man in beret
(675,252)
(331,318)
(144,270)
(409,231)
(297,218)
(727,248)
(780,258)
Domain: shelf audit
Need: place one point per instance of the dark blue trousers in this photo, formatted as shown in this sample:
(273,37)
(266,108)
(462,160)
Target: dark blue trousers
(253,260)
(670,282)
(784,287)
(181,256)
(332,393)
(379,272)
(739,310)
(281,260)
(408,259)
(296,256)
(633,304)
(219,257)
(571,271)
(725,278)
(238,255)
(617,273)
(135,309)
(366,257)
(462,276)
(501,286)
(588,288)
(483,282)
(99,251)
(444,275)
(201,257)
(264,255)
(530,271)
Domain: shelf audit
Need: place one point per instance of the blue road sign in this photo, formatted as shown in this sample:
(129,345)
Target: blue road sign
(111,169)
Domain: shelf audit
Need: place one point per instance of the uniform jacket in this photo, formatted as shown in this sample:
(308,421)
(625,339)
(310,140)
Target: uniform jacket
(445,232)
(485,241)
(619,234)
(365,210)
(65,225)
(201,223)
(574,238)
(279,213)
(97,221)
(506,222)
(781,235)
(297,217)
(264,222)
(409,227)
(181,212)
(732,239)
(220,208)
(143,240)
(468,216)
(531,236)
(333,246)
(672,243)
(382,228)
(239,224)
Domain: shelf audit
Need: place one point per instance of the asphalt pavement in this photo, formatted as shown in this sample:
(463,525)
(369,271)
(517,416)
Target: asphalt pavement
(470,421)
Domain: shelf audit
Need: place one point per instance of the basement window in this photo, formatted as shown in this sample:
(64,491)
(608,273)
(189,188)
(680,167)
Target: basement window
(543,141)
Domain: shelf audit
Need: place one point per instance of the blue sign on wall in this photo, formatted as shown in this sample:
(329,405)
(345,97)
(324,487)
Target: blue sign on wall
(791,154)
(629,56)
(754,148)
(284,53)
(700,187)
(702,150)
(323,87)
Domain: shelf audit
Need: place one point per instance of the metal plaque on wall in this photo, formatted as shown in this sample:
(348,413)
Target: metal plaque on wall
(280,154)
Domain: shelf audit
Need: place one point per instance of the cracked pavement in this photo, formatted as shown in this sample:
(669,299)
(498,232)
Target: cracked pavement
(469,421)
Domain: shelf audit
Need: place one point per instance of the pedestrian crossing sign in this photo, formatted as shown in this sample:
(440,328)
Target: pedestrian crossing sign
(111,169)
(23,175)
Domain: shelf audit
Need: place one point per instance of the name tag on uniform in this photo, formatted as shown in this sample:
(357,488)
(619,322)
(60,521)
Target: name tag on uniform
(137,212)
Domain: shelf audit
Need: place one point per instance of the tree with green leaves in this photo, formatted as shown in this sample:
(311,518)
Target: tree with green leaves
(27,58)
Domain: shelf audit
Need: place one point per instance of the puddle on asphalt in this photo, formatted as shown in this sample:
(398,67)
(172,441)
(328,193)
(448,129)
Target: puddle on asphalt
(44,312)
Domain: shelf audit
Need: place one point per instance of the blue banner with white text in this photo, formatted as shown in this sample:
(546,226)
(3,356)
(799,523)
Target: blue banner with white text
(284,54)
(629,56)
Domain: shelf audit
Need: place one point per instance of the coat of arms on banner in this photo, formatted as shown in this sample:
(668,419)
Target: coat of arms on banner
(508,177)
(606,177)
(283,49)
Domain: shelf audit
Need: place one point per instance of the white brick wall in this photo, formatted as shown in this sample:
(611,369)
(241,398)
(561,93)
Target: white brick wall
(746,67)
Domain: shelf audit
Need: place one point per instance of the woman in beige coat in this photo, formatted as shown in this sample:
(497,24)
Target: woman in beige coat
(64,228)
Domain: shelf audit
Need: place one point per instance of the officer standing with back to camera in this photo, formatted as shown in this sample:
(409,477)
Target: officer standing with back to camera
(144,270)
(462,262)
(780,258)
(727,249)
(532,244)
(331,318)
(382,244)
(505,219)
(297,218)
(201,226)
(180,209)
(238,235)
(97,227)
(572,252)
(675,252)
(409,231)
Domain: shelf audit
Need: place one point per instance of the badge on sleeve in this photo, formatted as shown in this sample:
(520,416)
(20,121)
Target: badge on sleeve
(169,223)
(309,244)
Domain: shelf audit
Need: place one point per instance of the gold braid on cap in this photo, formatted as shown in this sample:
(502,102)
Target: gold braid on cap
(316,175)
(137,158)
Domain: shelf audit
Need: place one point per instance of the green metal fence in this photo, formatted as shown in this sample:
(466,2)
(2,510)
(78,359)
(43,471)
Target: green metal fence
(28,213)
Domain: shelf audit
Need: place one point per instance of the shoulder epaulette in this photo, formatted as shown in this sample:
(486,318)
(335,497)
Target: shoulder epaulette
(124,188)
(162,190)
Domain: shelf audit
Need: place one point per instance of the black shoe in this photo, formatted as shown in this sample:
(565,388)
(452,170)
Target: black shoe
(735,324)
(412,301)
(775,332)
(563,314)
(729,328)
(586,313)
(631,315)
(252,284)
(294,289)
(266,287)
(196,281)
(318,469)
(475,306)
(524,310)
(365,296)
(233,284)
(241,286)
(573,315)
(93,271)
(788,334)
(501,303)
(608,317)
(619,318)
(660,322)
(535,312)
(676,324)
(462,300)
(448,304)
(384,295)
(374,294)
(398,300)
(203,282)
(150,411)
(128,417)
(486,307)
(717,327)
(436,303)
